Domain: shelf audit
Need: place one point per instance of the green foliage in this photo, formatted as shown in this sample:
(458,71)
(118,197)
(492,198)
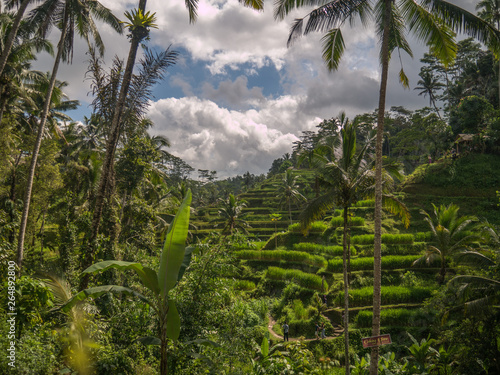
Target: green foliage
(471,115)
(388,262)
(387,238)
(245,285)
(36,351)
(365,203)
(321,249)
(317,226)
(303,279)
(282,255)
(355,221)
(394,317)
(390,295)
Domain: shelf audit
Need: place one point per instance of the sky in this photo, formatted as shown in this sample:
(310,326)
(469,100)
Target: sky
(237,98)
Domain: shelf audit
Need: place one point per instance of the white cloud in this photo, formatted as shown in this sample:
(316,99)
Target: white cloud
(211,137)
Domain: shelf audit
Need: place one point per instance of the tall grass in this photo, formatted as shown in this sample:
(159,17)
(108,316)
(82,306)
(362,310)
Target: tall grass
(365,203)
(393,317)
(303,279)
(281,255)
(338,221)
(423,236)
(387,238)
(244,285)
(316,226)
(390,295)
(321,249)
(390,262)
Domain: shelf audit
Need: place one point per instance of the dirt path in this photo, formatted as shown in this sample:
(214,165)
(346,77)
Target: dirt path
(338,330)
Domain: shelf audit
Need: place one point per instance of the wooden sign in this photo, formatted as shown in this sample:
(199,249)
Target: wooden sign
(368,342)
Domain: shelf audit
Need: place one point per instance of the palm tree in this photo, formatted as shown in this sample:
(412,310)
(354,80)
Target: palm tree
(428,85)
(231,212)
(347,171)
(128,108)
(430,21)
(17,69)
(449,233)
(69,16)
(139,24)
(490,12)
(287,191)
(16,23)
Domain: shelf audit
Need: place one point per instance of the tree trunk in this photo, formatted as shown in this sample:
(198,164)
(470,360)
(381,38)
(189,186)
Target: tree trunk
(377,247)
(38,142)
(346,296)
(104,189)
(12,34)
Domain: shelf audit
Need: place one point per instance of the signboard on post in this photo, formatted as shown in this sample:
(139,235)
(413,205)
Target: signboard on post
(368,342)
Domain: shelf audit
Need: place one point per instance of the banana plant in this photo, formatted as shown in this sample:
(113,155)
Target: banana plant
(175,258)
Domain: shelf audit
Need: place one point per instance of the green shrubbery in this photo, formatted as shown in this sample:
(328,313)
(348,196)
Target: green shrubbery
(390,295)
(393,317)
(303,279)
(388,262)
(282,255)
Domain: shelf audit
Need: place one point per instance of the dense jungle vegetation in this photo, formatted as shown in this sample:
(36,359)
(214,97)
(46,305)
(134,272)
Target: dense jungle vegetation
(127,260)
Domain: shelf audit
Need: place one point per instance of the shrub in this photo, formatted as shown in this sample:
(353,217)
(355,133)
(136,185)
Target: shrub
(303,279)
(282,255)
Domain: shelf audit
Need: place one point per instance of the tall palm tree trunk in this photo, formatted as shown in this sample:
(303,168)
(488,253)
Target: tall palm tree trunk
(12,34)
(346,295)
(38,142)
(377,246)
(498,28)
(105,184)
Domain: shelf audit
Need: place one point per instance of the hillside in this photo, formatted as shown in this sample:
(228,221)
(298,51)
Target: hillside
(296,271)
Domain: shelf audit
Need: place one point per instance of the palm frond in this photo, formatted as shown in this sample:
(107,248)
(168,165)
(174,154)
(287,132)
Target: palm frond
(315,209)
(333,48)
(396,207)
(404,79)
(462,21)
(254,4)
(283,7)
(192,7)
(431,30)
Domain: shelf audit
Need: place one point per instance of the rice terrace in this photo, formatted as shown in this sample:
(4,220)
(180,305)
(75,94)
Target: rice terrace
(250,187)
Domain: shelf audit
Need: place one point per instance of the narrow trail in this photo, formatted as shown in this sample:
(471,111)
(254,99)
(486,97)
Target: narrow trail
(338,330)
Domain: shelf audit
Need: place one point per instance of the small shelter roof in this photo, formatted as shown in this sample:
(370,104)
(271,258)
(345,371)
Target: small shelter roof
(464,138)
